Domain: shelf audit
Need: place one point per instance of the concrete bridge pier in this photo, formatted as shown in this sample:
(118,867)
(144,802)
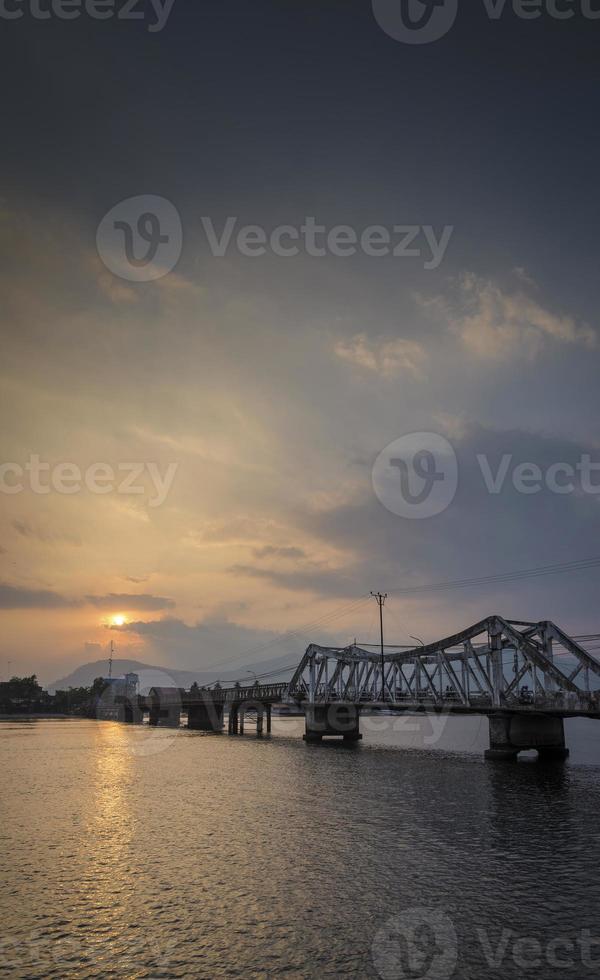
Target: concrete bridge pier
(205,717)
(234,719)
(514,733)
(263,720)
(132,713)
(237,716)
(332,720)
(168,716)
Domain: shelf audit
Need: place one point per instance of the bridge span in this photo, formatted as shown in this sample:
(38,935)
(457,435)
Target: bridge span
(526,677)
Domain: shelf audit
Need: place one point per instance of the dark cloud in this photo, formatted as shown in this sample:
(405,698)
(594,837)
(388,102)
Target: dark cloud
(213,642)
(480,533)
(115,600)
(237,529)
(28,530)
(271,551)
(330,582)
(14,597)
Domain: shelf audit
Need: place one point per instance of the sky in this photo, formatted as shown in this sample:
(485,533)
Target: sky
(225,414)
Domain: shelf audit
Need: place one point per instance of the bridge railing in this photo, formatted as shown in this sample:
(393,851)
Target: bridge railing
(224,695)
(557,701)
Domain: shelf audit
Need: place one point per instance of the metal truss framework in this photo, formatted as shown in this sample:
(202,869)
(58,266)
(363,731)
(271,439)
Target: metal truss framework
(486,667)
(258,693)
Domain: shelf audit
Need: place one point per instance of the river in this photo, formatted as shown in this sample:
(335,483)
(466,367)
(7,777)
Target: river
(132,852)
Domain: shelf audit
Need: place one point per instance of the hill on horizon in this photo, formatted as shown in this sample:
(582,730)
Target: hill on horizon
(159,675)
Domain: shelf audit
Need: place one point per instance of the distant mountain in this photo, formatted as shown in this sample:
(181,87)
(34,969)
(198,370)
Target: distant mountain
(153,675)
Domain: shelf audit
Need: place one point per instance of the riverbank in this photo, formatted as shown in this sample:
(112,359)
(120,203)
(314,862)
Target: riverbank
(33,716)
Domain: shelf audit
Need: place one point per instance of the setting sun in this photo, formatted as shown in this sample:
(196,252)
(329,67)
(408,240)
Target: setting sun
(118,620)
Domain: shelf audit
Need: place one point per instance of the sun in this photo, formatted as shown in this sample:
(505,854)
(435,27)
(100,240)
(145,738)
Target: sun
(118,620)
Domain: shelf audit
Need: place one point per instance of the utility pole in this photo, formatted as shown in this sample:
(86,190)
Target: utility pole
(112,650)
(380,599)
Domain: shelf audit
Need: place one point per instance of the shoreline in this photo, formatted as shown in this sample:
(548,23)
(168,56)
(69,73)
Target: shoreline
(31,716)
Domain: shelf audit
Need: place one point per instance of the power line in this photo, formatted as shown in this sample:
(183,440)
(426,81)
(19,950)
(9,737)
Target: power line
(513,576)
(351,606)
(269,673)
(398,622)
(290,634)
(397,646)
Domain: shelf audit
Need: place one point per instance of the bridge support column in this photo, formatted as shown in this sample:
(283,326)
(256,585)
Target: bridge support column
(332,720)
(234,719)
(167,717)
(132,714)
(206,717)
(514,733)
(245,707)
(268,719)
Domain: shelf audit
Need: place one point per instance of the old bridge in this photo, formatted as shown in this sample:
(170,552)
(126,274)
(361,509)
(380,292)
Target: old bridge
(527,677)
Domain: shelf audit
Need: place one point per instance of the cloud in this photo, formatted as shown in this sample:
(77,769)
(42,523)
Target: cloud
(272,551)
(215,642)
(371,548)
(116,290)
(275,454)
(495,324)
(521,273)
(240,528)
(115,600)
(388,358)
(334,582)
(14,597)
(27,530)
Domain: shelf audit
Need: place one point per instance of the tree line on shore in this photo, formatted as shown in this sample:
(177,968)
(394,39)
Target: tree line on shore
(24,695)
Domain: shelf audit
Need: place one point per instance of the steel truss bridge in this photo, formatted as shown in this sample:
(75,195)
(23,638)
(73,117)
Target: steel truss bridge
(527,677)
(482,668)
